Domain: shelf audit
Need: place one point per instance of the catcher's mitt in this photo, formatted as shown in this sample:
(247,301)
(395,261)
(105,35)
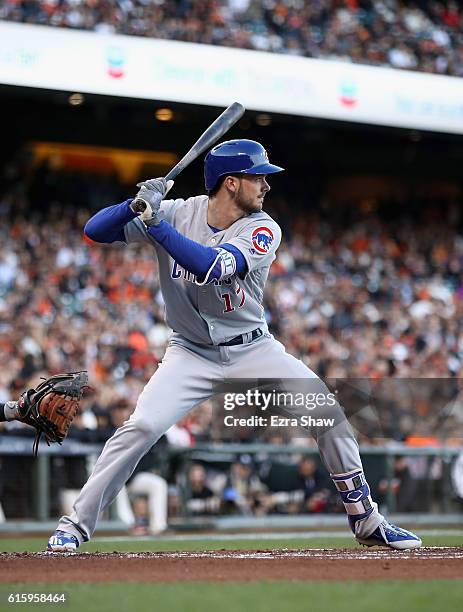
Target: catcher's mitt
(51,408)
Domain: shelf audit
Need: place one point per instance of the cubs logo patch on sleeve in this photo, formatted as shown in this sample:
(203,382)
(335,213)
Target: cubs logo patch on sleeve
(262,239)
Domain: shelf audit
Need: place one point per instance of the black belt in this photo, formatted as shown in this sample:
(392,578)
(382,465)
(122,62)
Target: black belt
(244,338)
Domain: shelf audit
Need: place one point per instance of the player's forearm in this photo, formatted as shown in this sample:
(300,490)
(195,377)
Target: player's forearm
(192,256)
(198,259)
(107,225)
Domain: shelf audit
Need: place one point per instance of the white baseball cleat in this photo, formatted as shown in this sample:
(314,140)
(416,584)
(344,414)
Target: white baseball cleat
(61,541)
(392,536)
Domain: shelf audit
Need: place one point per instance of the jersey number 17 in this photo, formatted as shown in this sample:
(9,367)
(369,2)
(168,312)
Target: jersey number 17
(226,297)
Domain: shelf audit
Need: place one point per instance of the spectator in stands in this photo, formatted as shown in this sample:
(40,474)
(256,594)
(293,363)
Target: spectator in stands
(404,486)
(313,486)
(243,489)
(201,499)
(301,490)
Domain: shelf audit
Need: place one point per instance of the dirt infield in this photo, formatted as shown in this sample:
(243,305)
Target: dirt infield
(218,566)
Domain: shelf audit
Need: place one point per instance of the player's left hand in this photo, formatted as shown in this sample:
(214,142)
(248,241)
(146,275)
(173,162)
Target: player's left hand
(149,198)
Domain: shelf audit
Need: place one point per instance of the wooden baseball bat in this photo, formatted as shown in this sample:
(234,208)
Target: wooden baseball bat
(217,129)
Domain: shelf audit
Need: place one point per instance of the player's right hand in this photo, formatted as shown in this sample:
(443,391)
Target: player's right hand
(149,198)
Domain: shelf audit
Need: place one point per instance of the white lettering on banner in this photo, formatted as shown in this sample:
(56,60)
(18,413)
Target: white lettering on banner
(430,107)
(19,57)
(276,421)
(172,71)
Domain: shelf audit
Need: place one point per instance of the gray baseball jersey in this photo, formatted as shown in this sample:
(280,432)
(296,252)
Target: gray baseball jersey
(219,311)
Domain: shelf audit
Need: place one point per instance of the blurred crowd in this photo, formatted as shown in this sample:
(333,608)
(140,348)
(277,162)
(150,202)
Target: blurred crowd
(423,35)
(355,295)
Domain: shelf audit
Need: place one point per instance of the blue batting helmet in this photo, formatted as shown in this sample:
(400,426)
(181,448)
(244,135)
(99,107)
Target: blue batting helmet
(236,157)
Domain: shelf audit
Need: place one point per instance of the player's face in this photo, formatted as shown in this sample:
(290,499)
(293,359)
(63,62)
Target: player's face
(251,192)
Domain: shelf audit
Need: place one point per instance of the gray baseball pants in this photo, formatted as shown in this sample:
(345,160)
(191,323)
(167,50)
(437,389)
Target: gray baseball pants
(184,379)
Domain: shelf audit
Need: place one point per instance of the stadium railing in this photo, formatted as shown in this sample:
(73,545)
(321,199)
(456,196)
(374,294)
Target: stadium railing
(226,454)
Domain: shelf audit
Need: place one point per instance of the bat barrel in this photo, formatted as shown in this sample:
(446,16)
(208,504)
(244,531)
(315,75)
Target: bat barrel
(217,129)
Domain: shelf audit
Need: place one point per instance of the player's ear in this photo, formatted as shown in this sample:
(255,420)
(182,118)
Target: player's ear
(231,183)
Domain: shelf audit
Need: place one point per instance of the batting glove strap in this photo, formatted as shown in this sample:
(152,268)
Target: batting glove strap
(223,266)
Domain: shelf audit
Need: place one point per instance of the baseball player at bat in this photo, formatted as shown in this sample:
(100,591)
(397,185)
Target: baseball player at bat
(214,253)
